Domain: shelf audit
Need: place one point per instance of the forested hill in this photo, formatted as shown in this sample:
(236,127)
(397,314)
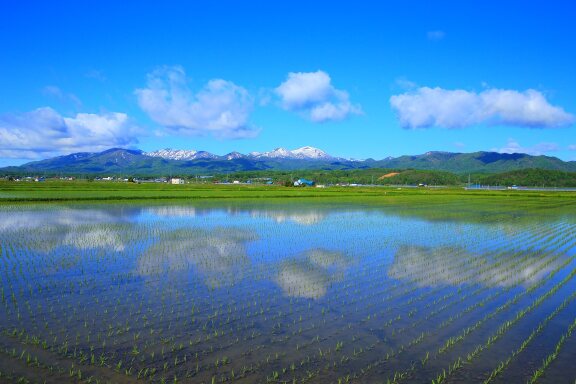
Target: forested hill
(532,177)
(125,162)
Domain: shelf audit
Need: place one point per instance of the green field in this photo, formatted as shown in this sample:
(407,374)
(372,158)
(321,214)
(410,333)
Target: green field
(98,191)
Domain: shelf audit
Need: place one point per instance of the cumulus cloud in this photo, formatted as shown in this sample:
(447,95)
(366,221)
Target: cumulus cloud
(312,94)
(221,108)
(513,146)
(436,107)
(44,132)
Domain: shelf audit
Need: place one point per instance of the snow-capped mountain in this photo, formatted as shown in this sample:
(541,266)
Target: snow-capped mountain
(278,153)
(302,153)
(310,153)
(205,155)
(173,154)
(181,154)
(234,155)
(121,161)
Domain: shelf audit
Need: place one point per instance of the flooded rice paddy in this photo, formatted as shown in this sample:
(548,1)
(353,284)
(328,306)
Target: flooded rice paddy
(272,293)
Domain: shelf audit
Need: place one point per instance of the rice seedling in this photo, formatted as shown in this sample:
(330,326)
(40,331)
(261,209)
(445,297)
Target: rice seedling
(281,293)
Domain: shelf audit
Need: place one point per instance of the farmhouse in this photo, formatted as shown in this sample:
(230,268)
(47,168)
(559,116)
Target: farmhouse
(303,183)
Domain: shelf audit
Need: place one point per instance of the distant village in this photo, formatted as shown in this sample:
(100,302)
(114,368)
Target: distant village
(291,182)
(201,179)
(301,182)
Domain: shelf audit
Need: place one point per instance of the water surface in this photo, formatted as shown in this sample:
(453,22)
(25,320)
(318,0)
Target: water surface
(305,292)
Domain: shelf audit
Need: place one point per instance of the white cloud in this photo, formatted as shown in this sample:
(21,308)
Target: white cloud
(572,147)
(436,107)
(436,35)
(512,146)
(312,94)
(221,108)
(44,132)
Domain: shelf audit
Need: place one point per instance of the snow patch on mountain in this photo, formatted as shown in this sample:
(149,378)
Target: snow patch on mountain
(205,155)
(310,153)
(302,153)
(278,153)
(234,155)
(181,154)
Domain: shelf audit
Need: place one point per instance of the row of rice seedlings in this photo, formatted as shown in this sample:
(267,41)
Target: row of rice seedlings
(482,303)
(451,342)
(502,329)
(439,309)
(541,325)
(403,374)
(399,374)
(540,371)
(532,288)
(187,266)
(59,314)
(316,339)
(471,267)
(486,275)
(35,365)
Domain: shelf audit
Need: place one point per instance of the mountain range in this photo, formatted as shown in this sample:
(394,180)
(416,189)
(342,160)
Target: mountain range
(119,161)
(303,153)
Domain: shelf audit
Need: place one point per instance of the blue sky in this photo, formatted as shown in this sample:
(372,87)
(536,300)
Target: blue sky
(356,79)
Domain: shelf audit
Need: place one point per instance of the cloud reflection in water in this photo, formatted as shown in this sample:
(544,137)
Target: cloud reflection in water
(434,266)
(219,255)
(310,276)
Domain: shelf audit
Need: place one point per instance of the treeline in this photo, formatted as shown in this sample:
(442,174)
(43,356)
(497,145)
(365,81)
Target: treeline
(369,176)
(416,177)
(379,176)
(531,178)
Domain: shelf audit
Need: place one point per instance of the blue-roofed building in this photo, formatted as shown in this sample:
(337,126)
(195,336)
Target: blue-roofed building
(303,182)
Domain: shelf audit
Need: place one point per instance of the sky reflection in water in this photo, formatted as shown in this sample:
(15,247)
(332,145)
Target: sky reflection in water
(284,280)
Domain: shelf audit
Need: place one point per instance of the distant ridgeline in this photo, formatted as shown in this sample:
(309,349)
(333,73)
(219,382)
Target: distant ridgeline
(431,168)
